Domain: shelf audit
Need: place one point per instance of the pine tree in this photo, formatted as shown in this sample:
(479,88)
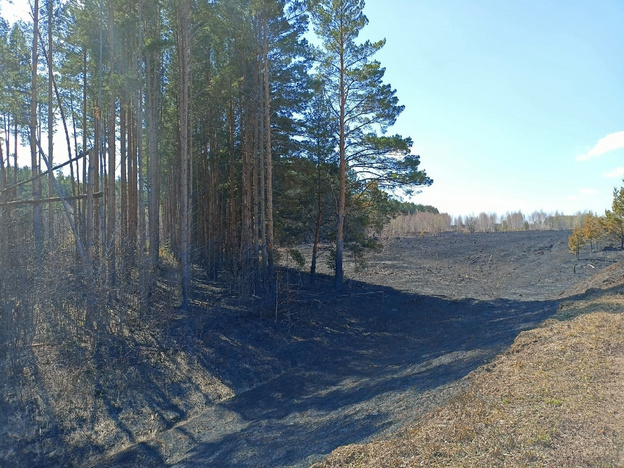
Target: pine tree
(577,241)
(614,218)
(184,57)
(592,229)
(321,133)
(364,106)
(36,185)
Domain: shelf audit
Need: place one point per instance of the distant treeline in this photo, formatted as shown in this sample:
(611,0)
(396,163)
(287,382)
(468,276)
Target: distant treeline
(428,220)
(409,208)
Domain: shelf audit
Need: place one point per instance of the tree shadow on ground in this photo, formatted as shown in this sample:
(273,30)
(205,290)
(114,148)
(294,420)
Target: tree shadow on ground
(348,368)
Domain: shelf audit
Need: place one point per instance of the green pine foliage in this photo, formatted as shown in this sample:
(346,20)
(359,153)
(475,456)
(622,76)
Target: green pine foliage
(577,241)
(364,108)
(337,174)
(593,229)
(614,218)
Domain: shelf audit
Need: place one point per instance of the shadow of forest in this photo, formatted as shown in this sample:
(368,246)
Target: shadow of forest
(332,370)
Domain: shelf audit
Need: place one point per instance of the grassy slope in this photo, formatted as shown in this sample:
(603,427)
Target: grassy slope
(555,398)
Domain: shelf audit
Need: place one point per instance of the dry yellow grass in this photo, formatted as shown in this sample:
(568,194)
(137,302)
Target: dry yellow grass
(554,399)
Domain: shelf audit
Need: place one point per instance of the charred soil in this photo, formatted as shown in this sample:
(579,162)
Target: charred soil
(237,383)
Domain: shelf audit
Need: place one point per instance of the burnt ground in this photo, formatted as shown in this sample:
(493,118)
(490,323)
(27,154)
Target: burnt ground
(517,266)
(335,369)
(339,369)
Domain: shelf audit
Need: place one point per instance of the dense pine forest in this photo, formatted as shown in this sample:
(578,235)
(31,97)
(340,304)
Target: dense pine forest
(209,132)
(145,142)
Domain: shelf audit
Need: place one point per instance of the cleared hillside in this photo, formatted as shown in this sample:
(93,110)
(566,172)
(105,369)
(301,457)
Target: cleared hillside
(555,398)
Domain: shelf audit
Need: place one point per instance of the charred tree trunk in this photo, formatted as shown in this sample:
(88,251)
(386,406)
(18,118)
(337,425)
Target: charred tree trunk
(343,171)
(232,205)
(111,199)
(184,57)
(317,226)
(132,187)
(246,219)
(123,184)
(215,227)
(153,168)
(269,162)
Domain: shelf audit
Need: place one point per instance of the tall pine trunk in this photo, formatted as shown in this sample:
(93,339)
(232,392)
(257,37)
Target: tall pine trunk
(50,129)
(153,169)
(317,226)
(3,219)
(246,225)
(270,242)
(231,229)
(34,160)
(111,199)
(184,56)
(342,170)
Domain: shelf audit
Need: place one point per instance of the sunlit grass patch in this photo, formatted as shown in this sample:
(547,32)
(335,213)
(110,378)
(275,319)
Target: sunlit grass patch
(554,399)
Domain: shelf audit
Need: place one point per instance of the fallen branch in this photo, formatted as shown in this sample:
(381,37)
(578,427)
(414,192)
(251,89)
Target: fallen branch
(49,200)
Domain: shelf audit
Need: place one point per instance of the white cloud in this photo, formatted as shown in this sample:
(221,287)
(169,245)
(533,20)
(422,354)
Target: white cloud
(617,172)
(611,142)
(588,191)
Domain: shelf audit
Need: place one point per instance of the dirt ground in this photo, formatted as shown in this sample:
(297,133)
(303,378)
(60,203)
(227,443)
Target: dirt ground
(368,363)
(235,383)
(518,266)
(553,399)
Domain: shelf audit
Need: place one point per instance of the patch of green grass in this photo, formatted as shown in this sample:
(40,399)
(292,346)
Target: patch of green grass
(544,438)
(554,402)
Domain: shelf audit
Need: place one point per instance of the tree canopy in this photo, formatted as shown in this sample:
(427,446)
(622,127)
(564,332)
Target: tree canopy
(210,130)
(364,108)
(614,218)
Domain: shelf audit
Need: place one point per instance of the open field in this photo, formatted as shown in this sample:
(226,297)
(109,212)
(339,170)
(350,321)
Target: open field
(415,340)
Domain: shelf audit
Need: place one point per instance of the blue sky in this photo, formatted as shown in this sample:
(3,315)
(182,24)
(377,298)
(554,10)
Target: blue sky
(512,105)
